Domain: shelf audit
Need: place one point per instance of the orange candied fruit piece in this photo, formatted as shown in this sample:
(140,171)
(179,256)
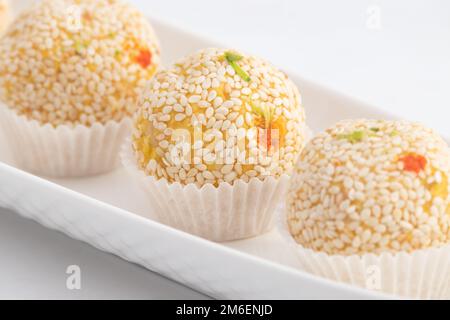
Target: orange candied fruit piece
(144,58)
(414,162)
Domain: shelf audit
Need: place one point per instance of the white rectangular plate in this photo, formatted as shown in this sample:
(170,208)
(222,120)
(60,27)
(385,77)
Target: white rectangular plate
(110,213)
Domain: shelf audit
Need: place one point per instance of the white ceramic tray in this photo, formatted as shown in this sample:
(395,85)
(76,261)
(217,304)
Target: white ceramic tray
(110,213)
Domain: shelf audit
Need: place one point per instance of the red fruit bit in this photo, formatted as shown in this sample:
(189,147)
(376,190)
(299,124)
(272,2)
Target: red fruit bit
(267,137)
(144,58)
(414,162)
(87,16)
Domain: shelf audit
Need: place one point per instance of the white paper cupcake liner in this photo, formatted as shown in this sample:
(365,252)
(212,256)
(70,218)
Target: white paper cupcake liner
(223,213)
(63,151)
(423,274)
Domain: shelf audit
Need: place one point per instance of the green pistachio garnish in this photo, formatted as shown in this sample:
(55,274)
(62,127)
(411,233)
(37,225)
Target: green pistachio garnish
(394,133)
(232,59)
(373,132)
(354,137)
(79,47)
(266,113)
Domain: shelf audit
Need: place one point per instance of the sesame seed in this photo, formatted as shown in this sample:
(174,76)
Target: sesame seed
(212,95)
(218,102)
(178,108)
(209,112)
(230,176)
(208,175)
(194,99)
(164,144)
(227,169)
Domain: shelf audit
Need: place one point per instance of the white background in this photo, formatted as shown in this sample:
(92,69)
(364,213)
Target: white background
(394,54)
(403,66)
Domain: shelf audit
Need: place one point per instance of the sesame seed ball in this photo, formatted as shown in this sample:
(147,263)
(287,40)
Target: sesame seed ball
(367,186)
(239,117)
(4,15)
(77,61)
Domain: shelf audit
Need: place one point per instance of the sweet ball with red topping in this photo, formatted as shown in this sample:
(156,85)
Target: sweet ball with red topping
(69,62)
(371,186)
(242,118)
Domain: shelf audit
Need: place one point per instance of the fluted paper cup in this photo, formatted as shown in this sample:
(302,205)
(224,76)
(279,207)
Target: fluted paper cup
(224,213)
(63,151)
(423,274)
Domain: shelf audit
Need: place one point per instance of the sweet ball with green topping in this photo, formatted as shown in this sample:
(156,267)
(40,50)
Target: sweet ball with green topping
(69,62)
(218,116)
(370,186)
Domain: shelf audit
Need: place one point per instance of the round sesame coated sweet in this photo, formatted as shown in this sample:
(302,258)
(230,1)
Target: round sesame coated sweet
(369,186)
(77,61)
(219,116)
